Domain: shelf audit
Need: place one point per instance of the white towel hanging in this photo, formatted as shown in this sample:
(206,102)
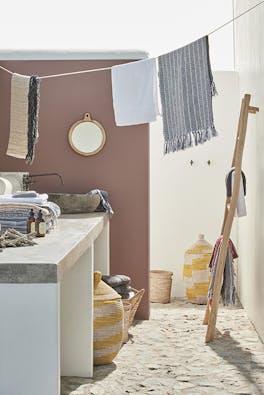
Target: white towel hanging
(135,92)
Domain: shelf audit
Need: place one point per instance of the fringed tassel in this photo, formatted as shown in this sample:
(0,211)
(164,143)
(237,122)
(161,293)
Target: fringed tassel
(211,78)
(33,110)
(194,138)
(178,144)
(213,89)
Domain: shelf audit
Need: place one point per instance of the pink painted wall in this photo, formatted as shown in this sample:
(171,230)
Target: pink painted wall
(121,167)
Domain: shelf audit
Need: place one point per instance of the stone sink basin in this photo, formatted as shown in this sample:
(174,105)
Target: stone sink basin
(74,203)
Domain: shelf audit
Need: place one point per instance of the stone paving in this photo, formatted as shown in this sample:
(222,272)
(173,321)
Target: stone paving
(167,355)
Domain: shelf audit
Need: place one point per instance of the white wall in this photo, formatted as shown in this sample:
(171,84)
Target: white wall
(250,64)
(186,200)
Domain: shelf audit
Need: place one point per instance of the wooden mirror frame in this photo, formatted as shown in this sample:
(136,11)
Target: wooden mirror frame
(87,118)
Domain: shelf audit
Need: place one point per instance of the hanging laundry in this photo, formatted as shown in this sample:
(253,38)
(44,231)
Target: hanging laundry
(24,108)
(186,89)
(18,137)
(33,111)
(228,285)
(241,210)
(135,92)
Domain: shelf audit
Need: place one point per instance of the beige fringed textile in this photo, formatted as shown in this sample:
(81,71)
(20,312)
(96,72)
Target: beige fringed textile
(18,137)
(24,109)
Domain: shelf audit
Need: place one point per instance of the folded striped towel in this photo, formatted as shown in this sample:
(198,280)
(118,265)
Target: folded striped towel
(116,280)
(186,89)
(16,215)
(25,194)
(41,198)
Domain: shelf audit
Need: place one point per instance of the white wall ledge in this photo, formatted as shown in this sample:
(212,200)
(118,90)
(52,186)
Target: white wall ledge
(15,54)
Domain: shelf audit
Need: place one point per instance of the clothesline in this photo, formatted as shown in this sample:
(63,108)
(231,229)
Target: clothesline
(109,68)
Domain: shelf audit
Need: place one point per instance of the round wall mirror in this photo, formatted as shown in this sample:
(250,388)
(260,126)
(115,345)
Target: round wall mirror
(87,136)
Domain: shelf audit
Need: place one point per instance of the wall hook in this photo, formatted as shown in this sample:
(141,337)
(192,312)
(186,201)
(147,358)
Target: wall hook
(191,162)
(209,162)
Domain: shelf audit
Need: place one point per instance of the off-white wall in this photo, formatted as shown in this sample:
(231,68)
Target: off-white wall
(250,65)
(186,200)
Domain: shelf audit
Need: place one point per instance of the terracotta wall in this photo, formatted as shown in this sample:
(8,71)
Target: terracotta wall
(121,167)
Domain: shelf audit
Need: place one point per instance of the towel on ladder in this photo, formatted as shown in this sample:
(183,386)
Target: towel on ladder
(24,108)
(186,90)
(241,209)
(228,285)
(135,92)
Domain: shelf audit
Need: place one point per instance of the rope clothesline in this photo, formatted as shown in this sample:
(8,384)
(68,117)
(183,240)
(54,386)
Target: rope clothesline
(109,68)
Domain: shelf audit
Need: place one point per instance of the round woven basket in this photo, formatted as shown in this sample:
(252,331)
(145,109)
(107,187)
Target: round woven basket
(160,286)
(130,308)
(127,310)
(108,322)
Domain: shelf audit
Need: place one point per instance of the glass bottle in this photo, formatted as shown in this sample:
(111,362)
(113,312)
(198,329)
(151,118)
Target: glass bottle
(40,225)
(31,222)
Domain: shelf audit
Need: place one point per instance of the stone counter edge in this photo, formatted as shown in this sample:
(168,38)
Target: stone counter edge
(50,273)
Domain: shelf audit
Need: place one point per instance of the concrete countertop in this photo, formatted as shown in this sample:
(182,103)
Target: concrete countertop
(55,253)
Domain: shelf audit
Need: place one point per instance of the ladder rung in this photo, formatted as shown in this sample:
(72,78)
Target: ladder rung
(253,110)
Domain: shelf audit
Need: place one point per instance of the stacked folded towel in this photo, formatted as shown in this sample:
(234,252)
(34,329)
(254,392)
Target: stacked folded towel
(15,216)
(121,284)
(25,197)
(14,210)
(54,210)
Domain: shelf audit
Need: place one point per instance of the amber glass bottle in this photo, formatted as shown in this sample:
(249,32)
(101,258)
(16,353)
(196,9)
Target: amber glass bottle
(31,222)
(40,225)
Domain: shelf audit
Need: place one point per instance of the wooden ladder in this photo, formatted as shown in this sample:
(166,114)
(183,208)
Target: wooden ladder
(230,207)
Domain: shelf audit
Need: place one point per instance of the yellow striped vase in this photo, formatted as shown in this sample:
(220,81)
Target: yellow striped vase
(108,322)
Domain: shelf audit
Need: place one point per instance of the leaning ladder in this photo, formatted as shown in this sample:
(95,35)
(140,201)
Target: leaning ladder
(230,207)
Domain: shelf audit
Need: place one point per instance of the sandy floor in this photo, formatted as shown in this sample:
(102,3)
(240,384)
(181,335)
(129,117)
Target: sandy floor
(167,355)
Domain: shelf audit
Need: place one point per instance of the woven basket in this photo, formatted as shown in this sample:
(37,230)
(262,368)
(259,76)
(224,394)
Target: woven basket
(160,286)
(127,309)
(196,272)
(108,322)
(130,309)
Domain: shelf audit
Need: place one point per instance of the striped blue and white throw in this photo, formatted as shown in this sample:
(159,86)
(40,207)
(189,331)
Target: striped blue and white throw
(186,90)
